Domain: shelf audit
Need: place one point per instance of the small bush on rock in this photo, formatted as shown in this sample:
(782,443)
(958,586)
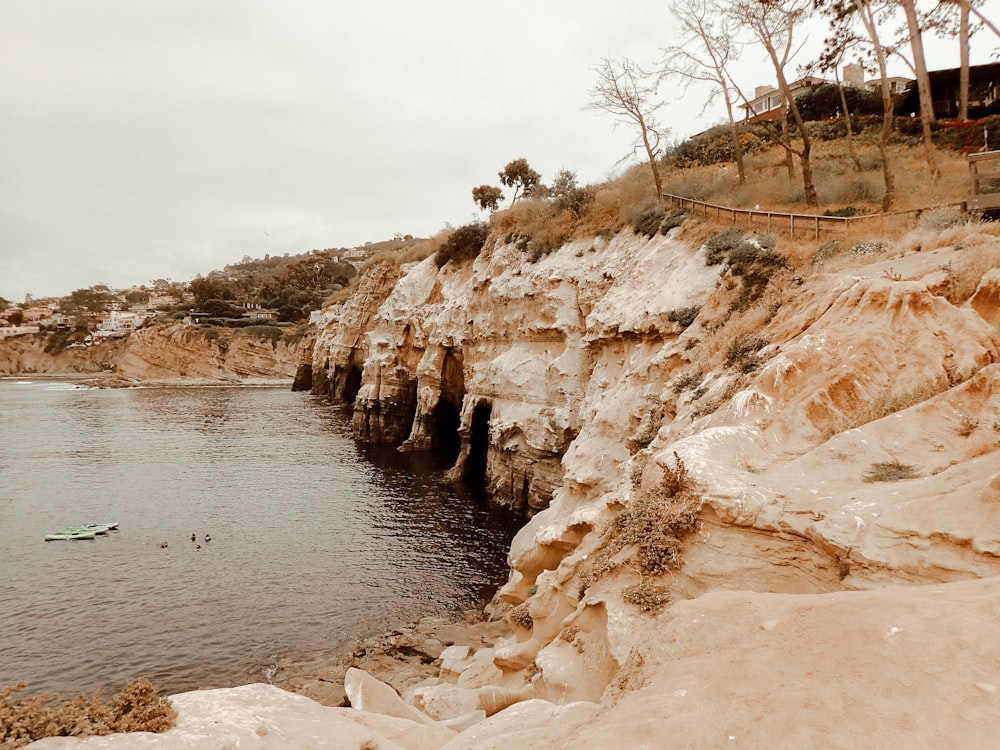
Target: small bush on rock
(520,617)
(743,353)
(647,597)
(826,251)
(656,522)
(943,217)
(889,471)
(465,243)
(137,708)
(720,244)
(684,316)
(649,533)
(686,380)
(868,247)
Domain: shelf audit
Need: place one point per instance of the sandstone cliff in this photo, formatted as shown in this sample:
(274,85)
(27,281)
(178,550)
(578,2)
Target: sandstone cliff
(32,354)
(775,526)
(167,354)
(575,379)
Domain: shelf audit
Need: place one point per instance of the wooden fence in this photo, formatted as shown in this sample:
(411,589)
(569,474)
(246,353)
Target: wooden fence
(805,225)
(984,168)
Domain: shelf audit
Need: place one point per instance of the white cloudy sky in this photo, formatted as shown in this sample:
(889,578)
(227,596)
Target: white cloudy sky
(165,138)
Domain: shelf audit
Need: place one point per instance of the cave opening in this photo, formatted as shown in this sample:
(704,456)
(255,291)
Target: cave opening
(352,383)
(479,443)
(446,420)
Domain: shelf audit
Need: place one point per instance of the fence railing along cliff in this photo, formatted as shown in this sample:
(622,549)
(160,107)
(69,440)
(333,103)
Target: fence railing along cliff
(984,195)
(806,225)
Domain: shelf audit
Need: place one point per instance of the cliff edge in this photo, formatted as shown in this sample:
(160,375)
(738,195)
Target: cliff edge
(166,354)
(762,492)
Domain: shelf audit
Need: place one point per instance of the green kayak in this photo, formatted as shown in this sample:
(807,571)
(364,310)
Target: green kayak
(82,531)
(71,533)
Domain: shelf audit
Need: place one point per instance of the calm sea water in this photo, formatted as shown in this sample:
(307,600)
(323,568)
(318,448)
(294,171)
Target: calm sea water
(315,540)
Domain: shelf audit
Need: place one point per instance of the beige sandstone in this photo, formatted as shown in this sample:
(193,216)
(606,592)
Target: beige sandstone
(810,607)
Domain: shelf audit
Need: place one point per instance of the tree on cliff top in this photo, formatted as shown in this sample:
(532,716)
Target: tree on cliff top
(706,52)
(624,91)
(487,197)
(518,175)
(773,23)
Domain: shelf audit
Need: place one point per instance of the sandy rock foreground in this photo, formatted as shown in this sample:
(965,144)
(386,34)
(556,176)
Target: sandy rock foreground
(911,666)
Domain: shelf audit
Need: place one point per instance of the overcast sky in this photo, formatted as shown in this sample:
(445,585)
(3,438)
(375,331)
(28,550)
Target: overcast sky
(166,138)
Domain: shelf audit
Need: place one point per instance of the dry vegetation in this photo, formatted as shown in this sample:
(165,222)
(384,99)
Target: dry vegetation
(137,708)
(540,226)
(646,537)
(889,471)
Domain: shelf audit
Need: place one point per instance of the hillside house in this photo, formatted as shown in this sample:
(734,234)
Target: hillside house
(768,104)
(259,314)
(117,324)
(984,92)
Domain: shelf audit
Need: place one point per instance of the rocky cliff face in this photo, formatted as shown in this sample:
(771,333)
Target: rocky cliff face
(767,521)
(842,432)
(167,354)
(33,355)
(181,354)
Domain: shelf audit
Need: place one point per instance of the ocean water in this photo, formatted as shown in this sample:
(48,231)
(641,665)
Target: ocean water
(316,541)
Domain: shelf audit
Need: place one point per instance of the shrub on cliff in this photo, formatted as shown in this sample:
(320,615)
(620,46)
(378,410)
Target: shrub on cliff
(744,353)
(465,243)
(649,531)
(753,261)
(137,708)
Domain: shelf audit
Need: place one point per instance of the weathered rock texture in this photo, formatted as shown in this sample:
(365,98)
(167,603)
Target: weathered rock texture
(167,354)
(841,437)
(585,393)
(32,354)
(180,353)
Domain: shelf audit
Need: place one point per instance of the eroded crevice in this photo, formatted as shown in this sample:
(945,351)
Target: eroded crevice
(476,464)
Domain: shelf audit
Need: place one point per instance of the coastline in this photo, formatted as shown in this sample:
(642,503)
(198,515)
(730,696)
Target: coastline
(403,658)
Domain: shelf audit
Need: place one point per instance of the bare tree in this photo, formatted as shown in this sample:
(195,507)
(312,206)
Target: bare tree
(970,7)
(773,23)
(834,51)
(865,11)
(848,124)
(707,50)
(627,93)
(927,117)
(943,19)
(963,52)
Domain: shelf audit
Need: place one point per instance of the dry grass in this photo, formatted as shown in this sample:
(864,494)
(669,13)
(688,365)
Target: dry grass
(884,404)
(137,708)
(837,182)
(647,597)
(412,253)
(889,471)
(646,535)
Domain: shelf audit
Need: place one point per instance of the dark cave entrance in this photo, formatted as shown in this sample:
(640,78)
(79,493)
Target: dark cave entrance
(479,443)
(445,440)
(447,415)
(352,383)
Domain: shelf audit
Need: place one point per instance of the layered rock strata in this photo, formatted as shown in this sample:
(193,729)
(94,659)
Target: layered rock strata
(775,526)
(167,354)
(854,445)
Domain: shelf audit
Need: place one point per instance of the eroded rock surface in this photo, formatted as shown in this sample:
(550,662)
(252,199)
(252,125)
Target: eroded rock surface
(837,584)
